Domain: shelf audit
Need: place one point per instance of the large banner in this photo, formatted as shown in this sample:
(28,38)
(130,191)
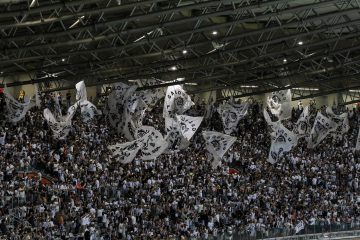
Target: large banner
(321,128)
(153,142)
(125,152)
(60,129)
(16,110)
(173,137)
(282,140)
(280,104)
(2,138)
(177,101)
(88,110)
(269,121)
(342,122)
(231,114)
(302,126)
(217,144)
(188,125)
(151,96)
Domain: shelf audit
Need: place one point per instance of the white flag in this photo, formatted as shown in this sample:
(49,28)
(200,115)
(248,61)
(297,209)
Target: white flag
(302,126)
(231,114)
(188,125)
(269,121)
(16,110)
(173,137)
(60,129)
(357,146)
(217,144)
(37,95)
(342,122)
(153,142)
(282,140)
(2,138)
(81,91)
(300,226)
(280,104)
(151,96)
(321,128)
(88,110)
(177,101)
(126,152)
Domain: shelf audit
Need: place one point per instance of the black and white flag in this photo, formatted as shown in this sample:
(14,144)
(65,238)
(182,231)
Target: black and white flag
(342,122)
(174,136)
(60,129)
(188,125)
(280,104)
(2,138)
(151,96)
(126,152)
(153,142)
(37,95)
(217,144)
(300,226)
(321,128)
(269,121)
(282,140)
(16,110)
(302,126)
(231,114)
(177,101)
(88,110)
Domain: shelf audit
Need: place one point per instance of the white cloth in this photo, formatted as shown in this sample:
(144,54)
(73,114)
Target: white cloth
(302,126)
(279,103)
(342,122)
(321,128)
(16,110)
(282,140)
(177,101)
(217,144)
(231,114)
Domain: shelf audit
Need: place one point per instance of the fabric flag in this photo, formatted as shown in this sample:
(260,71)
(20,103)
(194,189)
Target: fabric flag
(342,122)
(302,126)
(177,101)
(126,152)
(300,226)
(37,95)
(88,110)
(357,145)
(151,96)
(60,129)
(188,125)
(16,110)
(231,114)
(173,137)
(153,142)
(269,121)
(280,104)
(282,140)
(217,144)
(321,128)
(81,93)
(2,138)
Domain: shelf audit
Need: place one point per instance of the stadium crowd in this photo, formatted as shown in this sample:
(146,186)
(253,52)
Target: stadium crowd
(93,196)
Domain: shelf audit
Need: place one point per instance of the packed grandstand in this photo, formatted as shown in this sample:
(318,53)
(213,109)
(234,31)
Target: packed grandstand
(171,170)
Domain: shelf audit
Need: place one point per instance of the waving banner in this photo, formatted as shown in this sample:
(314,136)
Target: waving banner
(188,125)
(153,142)
(126,152)
(151,96)
(88,110)
(342,122)
(302,126)
(321,128)
(2,138)
(217,144)
(173,133)
(280,104)
(282,140)
(231,114)
(269,121)
(37,95)
(60,129)
(177,101)
(15,109)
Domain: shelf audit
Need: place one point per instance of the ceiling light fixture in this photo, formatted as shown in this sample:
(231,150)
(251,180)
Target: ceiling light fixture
(300,43)
(184,51)
(285,60)
(173,68)
(214,33)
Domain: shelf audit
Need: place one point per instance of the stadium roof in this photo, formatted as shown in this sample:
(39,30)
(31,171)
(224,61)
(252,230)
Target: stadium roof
(246,47)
